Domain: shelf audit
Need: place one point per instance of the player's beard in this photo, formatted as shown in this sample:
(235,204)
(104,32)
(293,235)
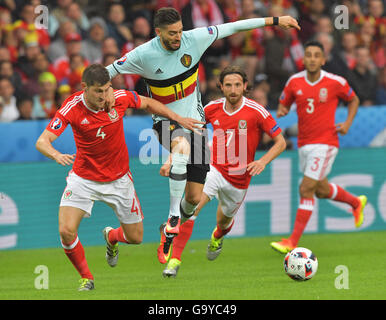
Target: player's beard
(235,99)
(168,45)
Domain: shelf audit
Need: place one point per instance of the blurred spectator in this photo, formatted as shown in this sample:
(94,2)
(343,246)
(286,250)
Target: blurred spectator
(40,64)
(7,70)
(379,52)
(247,47)
(92,46)
(176,4)
(283,56)
(364,81)
(110,46)
(5,54)
(260,96)
(308,20)
(381,88)
(27,23)
(44,103)
(231,8)
(63,92)
(9,111)
(349,43)
(25,106)
(31,51)
(58,14)
(334,63)
(58,46)
(203,13)
(78,17)
(62,68)
(77,65)
(366,33)
(116,25)
(141,27)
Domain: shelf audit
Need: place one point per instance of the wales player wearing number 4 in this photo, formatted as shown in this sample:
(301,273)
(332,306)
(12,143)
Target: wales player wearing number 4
(317,94)
(169,65)
(101,168)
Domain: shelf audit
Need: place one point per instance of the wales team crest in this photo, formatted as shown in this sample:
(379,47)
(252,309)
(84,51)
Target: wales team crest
(186,60)
(242,124)
(67,194)
(113,115)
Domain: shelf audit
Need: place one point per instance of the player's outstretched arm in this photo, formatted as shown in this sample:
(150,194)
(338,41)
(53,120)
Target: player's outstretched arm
(44,146)
(156,107)
(256,167)
(227,29)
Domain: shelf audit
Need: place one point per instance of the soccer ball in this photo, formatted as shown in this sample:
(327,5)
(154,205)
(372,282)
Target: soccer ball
(300,264)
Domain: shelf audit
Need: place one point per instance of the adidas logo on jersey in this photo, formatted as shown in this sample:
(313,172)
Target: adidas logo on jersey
(159,71)
(299,92)
(85,121)
(217,123)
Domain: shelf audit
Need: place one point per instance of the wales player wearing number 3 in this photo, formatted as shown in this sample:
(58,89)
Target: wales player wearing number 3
(317,94)
(169,64)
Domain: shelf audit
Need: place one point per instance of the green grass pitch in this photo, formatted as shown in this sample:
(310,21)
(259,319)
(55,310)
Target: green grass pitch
(247,269)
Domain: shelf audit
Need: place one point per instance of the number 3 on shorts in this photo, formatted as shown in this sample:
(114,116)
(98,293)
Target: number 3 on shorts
(315,167)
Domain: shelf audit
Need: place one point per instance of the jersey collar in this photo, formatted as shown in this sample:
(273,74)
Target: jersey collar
(234,112)
(322,74)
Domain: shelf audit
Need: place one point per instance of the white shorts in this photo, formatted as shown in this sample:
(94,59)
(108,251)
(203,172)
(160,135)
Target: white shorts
(119,194)
(316,160)
(229,197)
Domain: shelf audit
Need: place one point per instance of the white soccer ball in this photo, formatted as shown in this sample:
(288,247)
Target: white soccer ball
(300,264)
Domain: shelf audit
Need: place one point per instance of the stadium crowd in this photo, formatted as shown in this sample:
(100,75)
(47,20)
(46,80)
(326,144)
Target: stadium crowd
(42,58)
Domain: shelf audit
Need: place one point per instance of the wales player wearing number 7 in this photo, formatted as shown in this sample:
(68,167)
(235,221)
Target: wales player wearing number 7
(101,170)
(169,64)
(317,94)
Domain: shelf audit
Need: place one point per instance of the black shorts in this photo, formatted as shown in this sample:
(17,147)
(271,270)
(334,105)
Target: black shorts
(198,165)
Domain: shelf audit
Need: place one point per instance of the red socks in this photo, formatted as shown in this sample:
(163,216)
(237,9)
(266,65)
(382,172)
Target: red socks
(75,253)
(182,239)
(116,235)
(339,194)
(219,233)
(303,214)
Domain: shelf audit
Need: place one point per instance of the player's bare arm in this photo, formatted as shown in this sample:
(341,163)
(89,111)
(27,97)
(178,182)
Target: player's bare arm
(282,111)
(156,107)
(352,108)
(44,146)
(256,167)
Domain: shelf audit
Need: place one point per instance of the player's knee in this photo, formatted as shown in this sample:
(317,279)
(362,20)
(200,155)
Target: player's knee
(67,234)
(135,237)
(180,145)
(194,199)
(321,193)
(306,191)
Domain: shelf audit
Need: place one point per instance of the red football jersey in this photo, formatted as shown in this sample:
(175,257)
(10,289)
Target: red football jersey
(236,137)
(316,103)
(101,153)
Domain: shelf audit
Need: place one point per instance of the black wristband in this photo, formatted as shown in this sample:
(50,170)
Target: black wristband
(275,21)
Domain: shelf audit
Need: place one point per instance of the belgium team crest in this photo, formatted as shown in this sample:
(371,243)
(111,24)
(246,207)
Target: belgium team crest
(186,60)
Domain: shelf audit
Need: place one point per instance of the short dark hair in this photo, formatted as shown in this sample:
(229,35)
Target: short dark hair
(166,16)
(95,74)
(313,43)
(234,69)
